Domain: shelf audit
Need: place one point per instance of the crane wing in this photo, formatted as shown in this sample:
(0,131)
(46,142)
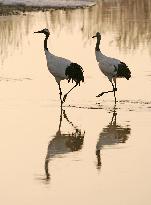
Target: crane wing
(108,66)
(57,65)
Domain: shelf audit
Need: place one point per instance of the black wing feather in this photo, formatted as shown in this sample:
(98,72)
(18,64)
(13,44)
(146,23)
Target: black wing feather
(123,71)
(74,72)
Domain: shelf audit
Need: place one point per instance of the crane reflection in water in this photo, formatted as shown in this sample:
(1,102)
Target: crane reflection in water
(63,143)
(112,134)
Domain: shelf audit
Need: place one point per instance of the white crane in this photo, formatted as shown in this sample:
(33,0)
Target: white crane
(62,68)
(110,67)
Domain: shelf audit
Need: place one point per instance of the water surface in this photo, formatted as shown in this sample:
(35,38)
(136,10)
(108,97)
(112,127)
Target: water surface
(93,152)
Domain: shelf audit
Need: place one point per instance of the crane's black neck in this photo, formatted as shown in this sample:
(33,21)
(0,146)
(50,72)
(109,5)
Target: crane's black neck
(97,48)
(45,42)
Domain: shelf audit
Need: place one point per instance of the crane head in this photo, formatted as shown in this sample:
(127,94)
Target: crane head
(45,31)
(98,35)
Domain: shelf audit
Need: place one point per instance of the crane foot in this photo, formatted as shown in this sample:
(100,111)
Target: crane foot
(100,94)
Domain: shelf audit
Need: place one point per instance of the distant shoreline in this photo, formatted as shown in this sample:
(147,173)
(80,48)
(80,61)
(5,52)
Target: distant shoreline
(17,9)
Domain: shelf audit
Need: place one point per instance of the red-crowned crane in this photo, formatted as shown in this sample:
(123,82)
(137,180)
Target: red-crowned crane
(62,68)
(110,67)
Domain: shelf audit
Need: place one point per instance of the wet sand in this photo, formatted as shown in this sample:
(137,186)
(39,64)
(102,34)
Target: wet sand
(95,152)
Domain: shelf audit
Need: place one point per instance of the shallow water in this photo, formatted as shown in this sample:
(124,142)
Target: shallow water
(95,152)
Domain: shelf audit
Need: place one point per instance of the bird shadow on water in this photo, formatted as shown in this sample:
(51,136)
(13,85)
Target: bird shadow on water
(111,135)
(63,143)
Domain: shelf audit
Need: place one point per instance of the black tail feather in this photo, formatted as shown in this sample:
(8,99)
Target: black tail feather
(74,72)
(123,71)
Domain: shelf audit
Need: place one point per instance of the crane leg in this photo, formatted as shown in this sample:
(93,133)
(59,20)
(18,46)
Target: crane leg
(98,158)
(47,169)
(60,93)
(65,96)
(110,91)
(114,90)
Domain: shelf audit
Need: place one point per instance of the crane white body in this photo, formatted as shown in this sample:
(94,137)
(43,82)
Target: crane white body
(57,66)
(107,65)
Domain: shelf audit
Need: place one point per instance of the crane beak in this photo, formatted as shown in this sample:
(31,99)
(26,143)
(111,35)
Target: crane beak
(94,36)
(38,32)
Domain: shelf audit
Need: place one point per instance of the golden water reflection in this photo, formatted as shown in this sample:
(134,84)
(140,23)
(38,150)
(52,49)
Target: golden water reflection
(63,142)
(28,108)
(129,21)
(111,135)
